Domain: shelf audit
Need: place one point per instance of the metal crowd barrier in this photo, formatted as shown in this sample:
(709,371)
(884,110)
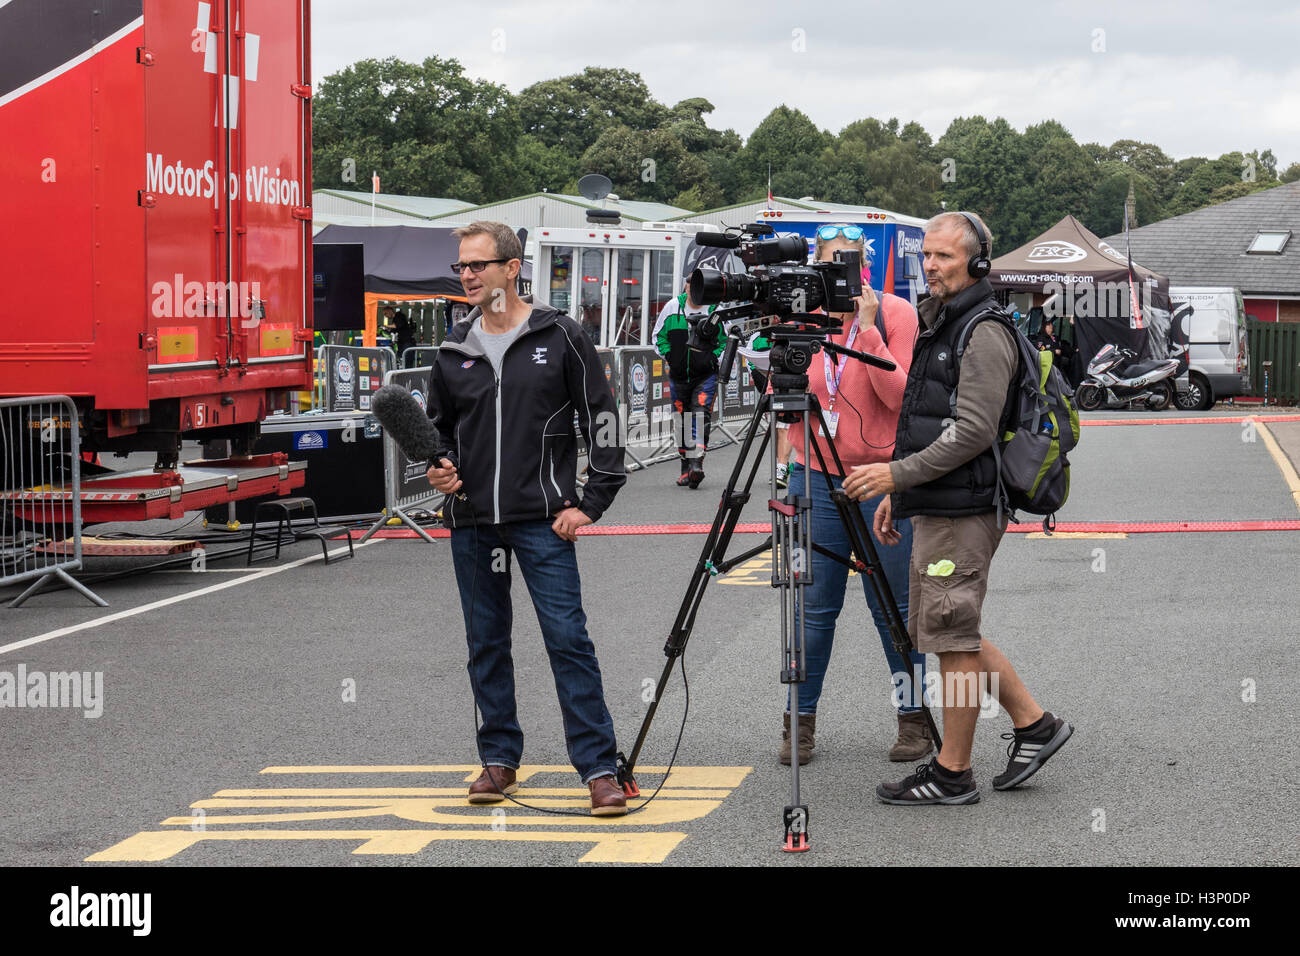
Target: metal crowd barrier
(645,404)
(406,481)
(418,356)
(40,494)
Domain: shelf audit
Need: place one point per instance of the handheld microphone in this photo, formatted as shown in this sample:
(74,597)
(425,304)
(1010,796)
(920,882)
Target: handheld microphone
(408,423)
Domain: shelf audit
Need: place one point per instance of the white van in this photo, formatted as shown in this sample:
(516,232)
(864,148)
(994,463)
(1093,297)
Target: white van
(1218,363)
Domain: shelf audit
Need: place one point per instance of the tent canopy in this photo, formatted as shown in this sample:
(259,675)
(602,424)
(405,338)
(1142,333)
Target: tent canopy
(1091,279)
(1068,253)
(406,263)
(407,259)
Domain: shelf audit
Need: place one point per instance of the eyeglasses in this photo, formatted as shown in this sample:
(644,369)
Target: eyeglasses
(851,233)
(477,266)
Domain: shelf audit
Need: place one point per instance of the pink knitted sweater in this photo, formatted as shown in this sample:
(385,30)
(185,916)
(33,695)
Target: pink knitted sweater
(868,399)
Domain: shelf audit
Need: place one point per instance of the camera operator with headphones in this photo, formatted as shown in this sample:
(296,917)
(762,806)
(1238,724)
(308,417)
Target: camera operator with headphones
(861,404)
(945,476)
(690,344)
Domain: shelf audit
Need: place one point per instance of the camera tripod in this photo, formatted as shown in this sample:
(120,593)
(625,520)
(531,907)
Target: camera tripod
(792,546)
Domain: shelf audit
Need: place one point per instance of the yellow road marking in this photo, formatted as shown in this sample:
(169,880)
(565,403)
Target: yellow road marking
(624,847)
(442,813)
(426,810)
(1281,460)
(1078,534)
(370,793)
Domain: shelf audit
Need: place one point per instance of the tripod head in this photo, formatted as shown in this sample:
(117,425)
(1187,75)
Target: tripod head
(794,340)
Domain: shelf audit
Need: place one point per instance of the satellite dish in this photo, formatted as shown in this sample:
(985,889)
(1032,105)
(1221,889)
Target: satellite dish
(594,186)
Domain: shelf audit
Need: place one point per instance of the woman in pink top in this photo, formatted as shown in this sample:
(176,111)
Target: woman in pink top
(861,405)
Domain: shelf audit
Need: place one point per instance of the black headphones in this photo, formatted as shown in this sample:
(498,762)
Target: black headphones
(978,266)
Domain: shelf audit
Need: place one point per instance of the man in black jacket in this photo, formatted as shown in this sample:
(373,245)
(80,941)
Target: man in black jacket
(396,321)
(944,476)
(503,391)
(1048,341)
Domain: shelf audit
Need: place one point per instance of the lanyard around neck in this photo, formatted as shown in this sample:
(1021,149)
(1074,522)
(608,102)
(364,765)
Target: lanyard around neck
(833,383)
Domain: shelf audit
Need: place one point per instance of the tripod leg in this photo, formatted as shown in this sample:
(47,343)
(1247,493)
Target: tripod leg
(711,557)
(868,561)
(792,550)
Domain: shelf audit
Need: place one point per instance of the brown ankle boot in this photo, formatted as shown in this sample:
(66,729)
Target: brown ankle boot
(807,726)
(914,740)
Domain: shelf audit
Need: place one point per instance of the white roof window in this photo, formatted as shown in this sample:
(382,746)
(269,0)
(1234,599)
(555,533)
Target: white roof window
(1269,242)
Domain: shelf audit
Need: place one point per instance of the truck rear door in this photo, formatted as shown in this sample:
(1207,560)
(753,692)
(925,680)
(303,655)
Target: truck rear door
(228,150)
(187,185)
(272,144)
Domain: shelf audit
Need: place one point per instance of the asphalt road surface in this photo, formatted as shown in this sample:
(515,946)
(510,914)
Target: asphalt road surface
(295,713)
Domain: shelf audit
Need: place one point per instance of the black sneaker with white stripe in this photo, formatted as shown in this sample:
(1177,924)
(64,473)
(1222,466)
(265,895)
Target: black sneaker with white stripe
(927,785)
(1029,751)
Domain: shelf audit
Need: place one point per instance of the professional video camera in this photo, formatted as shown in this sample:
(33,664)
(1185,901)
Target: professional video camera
(777,280)
(782,289)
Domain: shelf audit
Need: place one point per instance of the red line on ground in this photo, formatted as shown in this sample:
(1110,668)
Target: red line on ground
(1217,420)
(1086,527)
(1158,527)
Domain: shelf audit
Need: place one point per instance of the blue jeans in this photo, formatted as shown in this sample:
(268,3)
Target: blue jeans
(482,556)
(825,596)
(693,408)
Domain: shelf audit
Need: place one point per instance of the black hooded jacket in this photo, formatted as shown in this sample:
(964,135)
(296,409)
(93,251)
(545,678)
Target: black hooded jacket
(512,440)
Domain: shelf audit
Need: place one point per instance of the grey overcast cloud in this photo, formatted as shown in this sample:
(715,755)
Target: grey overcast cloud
(1195,78)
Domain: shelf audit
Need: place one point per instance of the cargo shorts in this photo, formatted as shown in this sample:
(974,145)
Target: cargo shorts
(949,576)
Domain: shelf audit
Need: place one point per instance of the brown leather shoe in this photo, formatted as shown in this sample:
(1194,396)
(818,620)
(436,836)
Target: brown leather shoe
(607,798)
(914,740)
(807,741)
(491,784)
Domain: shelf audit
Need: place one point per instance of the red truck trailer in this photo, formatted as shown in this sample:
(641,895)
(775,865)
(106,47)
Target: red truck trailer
(155,221)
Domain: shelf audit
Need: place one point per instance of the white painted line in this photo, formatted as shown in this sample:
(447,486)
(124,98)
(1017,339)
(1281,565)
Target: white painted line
(176,599)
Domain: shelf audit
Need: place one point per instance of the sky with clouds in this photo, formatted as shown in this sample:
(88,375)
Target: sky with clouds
(1196,78)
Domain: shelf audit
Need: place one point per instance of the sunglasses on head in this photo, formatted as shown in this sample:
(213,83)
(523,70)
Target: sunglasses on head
(851,233)
(477,266)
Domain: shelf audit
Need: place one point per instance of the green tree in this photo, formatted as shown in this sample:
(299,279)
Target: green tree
(791,143)
(1060,179)
(988,167)
(427,128)
(1291,174)
(1204,179)
(573,111)
(1149,160)
(542,167)
(1103,212)
(648,165)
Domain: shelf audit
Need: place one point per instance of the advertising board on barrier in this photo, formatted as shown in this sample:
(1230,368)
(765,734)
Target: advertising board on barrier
(739,396)
(646,402)
(352,375)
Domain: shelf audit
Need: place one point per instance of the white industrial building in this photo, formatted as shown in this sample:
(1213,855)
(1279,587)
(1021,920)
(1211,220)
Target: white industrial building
(753,212)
